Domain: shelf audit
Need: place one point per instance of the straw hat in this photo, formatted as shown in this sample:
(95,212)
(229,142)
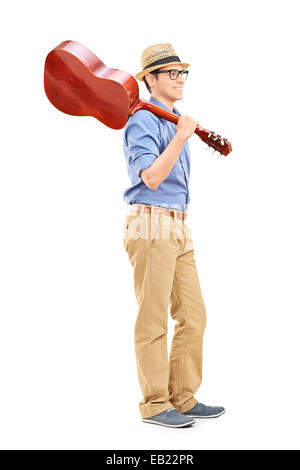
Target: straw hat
(156,56)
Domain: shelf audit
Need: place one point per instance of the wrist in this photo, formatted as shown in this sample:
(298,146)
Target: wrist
(180,136)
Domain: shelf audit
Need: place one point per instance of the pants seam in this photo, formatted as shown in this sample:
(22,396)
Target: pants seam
(187,331)
(148,315)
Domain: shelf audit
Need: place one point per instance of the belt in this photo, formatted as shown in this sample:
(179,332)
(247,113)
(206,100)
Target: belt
(162,210)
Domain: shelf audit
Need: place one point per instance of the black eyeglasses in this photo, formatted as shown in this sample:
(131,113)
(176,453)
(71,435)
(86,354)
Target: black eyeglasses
(173,73)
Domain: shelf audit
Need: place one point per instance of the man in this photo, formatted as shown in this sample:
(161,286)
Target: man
(161,252)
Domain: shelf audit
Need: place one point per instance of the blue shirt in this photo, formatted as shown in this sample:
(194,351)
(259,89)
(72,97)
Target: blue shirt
(145,137)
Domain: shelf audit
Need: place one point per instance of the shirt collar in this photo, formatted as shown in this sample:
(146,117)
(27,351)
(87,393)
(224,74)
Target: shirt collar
(159,103)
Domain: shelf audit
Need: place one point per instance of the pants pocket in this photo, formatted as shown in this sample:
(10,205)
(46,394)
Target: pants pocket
(154,229)
(129,230)
(189,245)
(143,227)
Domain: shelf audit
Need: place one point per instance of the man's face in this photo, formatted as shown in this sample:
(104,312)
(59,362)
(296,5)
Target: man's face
(165,86)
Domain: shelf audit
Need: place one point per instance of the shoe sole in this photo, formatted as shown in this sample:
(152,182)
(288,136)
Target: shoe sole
(210,416)
(145,420)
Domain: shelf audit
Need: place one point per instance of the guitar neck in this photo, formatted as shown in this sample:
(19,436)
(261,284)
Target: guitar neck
(210,138)
(168,115)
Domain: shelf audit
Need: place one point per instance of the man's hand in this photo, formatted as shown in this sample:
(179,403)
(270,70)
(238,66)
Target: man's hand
(186,126)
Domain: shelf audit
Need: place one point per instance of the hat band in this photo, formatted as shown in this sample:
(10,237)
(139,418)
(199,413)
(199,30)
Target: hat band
(166,60)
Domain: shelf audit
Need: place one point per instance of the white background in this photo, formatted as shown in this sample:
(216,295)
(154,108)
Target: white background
(68,371)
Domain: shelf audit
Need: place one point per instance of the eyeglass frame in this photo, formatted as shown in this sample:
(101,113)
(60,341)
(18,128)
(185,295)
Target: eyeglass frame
(181,72)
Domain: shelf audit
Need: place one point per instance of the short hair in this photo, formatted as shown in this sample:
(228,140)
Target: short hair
(146,83)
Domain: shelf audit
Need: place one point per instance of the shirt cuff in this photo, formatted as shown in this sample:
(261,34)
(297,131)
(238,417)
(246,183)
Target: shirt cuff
(143,162)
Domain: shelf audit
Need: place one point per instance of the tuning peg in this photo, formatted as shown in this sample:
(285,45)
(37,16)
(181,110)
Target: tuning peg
(207,147)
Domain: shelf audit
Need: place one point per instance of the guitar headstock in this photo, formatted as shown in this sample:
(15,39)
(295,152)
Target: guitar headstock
(218,143)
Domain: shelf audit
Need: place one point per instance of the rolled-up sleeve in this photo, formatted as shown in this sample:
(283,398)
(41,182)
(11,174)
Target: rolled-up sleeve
(142,137)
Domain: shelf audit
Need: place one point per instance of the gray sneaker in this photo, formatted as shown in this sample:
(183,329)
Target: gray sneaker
(170,418)
(204,411)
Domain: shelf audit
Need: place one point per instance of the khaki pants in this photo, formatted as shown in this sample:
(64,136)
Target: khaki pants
(161,252)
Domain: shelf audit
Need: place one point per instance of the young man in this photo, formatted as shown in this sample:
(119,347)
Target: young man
(161,252)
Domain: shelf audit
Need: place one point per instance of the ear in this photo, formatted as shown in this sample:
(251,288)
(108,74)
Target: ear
(147,78)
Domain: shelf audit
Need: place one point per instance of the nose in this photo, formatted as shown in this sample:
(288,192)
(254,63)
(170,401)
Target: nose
(180,79)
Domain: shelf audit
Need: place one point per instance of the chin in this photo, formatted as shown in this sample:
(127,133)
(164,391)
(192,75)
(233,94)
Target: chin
(176,94)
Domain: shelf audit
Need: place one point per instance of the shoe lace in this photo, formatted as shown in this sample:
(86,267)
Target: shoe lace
(172,411)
